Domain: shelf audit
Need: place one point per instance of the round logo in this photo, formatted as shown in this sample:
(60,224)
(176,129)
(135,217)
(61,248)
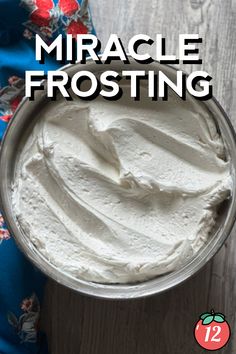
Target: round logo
(212,331)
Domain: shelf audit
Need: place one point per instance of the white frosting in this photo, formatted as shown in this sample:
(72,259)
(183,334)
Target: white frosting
(117,192)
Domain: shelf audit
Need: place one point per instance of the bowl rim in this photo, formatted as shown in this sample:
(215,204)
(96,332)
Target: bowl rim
(115,291)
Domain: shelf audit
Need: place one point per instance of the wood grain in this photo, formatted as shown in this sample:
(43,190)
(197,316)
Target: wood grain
(161,324)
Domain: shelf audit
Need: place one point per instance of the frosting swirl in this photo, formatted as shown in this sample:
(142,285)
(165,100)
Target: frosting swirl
(117,192)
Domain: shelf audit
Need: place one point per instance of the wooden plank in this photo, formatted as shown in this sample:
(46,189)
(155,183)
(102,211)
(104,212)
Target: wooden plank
(160,324)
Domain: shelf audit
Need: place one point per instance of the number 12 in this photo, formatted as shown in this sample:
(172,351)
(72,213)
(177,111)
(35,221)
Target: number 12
(217,330)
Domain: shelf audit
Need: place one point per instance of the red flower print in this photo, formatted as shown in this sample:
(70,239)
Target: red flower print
(44,4)
(15,102)
(49,17)
(68,7)
(27,305)
(76,27)
(6,118)
(4,234)
(13,79)
(40,17)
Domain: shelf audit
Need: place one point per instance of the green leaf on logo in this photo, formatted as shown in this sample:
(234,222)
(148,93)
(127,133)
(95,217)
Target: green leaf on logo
(220,314)
(218,318)
(208,320)
(204,315)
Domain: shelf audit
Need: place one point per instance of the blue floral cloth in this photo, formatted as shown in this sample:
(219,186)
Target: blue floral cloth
(21,287)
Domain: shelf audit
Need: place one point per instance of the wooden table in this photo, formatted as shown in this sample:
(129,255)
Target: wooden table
(162,324)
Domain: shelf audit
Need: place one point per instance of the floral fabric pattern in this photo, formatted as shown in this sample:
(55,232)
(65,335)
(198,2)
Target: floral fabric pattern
(10,97)
(49,19)
(19,22)
(26,326)
(4,233)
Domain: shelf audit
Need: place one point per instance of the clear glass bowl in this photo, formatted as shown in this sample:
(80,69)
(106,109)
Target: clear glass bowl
(19,129)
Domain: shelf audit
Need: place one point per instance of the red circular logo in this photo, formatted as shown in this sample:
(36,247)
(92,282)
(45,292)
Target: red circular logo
(212,331)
